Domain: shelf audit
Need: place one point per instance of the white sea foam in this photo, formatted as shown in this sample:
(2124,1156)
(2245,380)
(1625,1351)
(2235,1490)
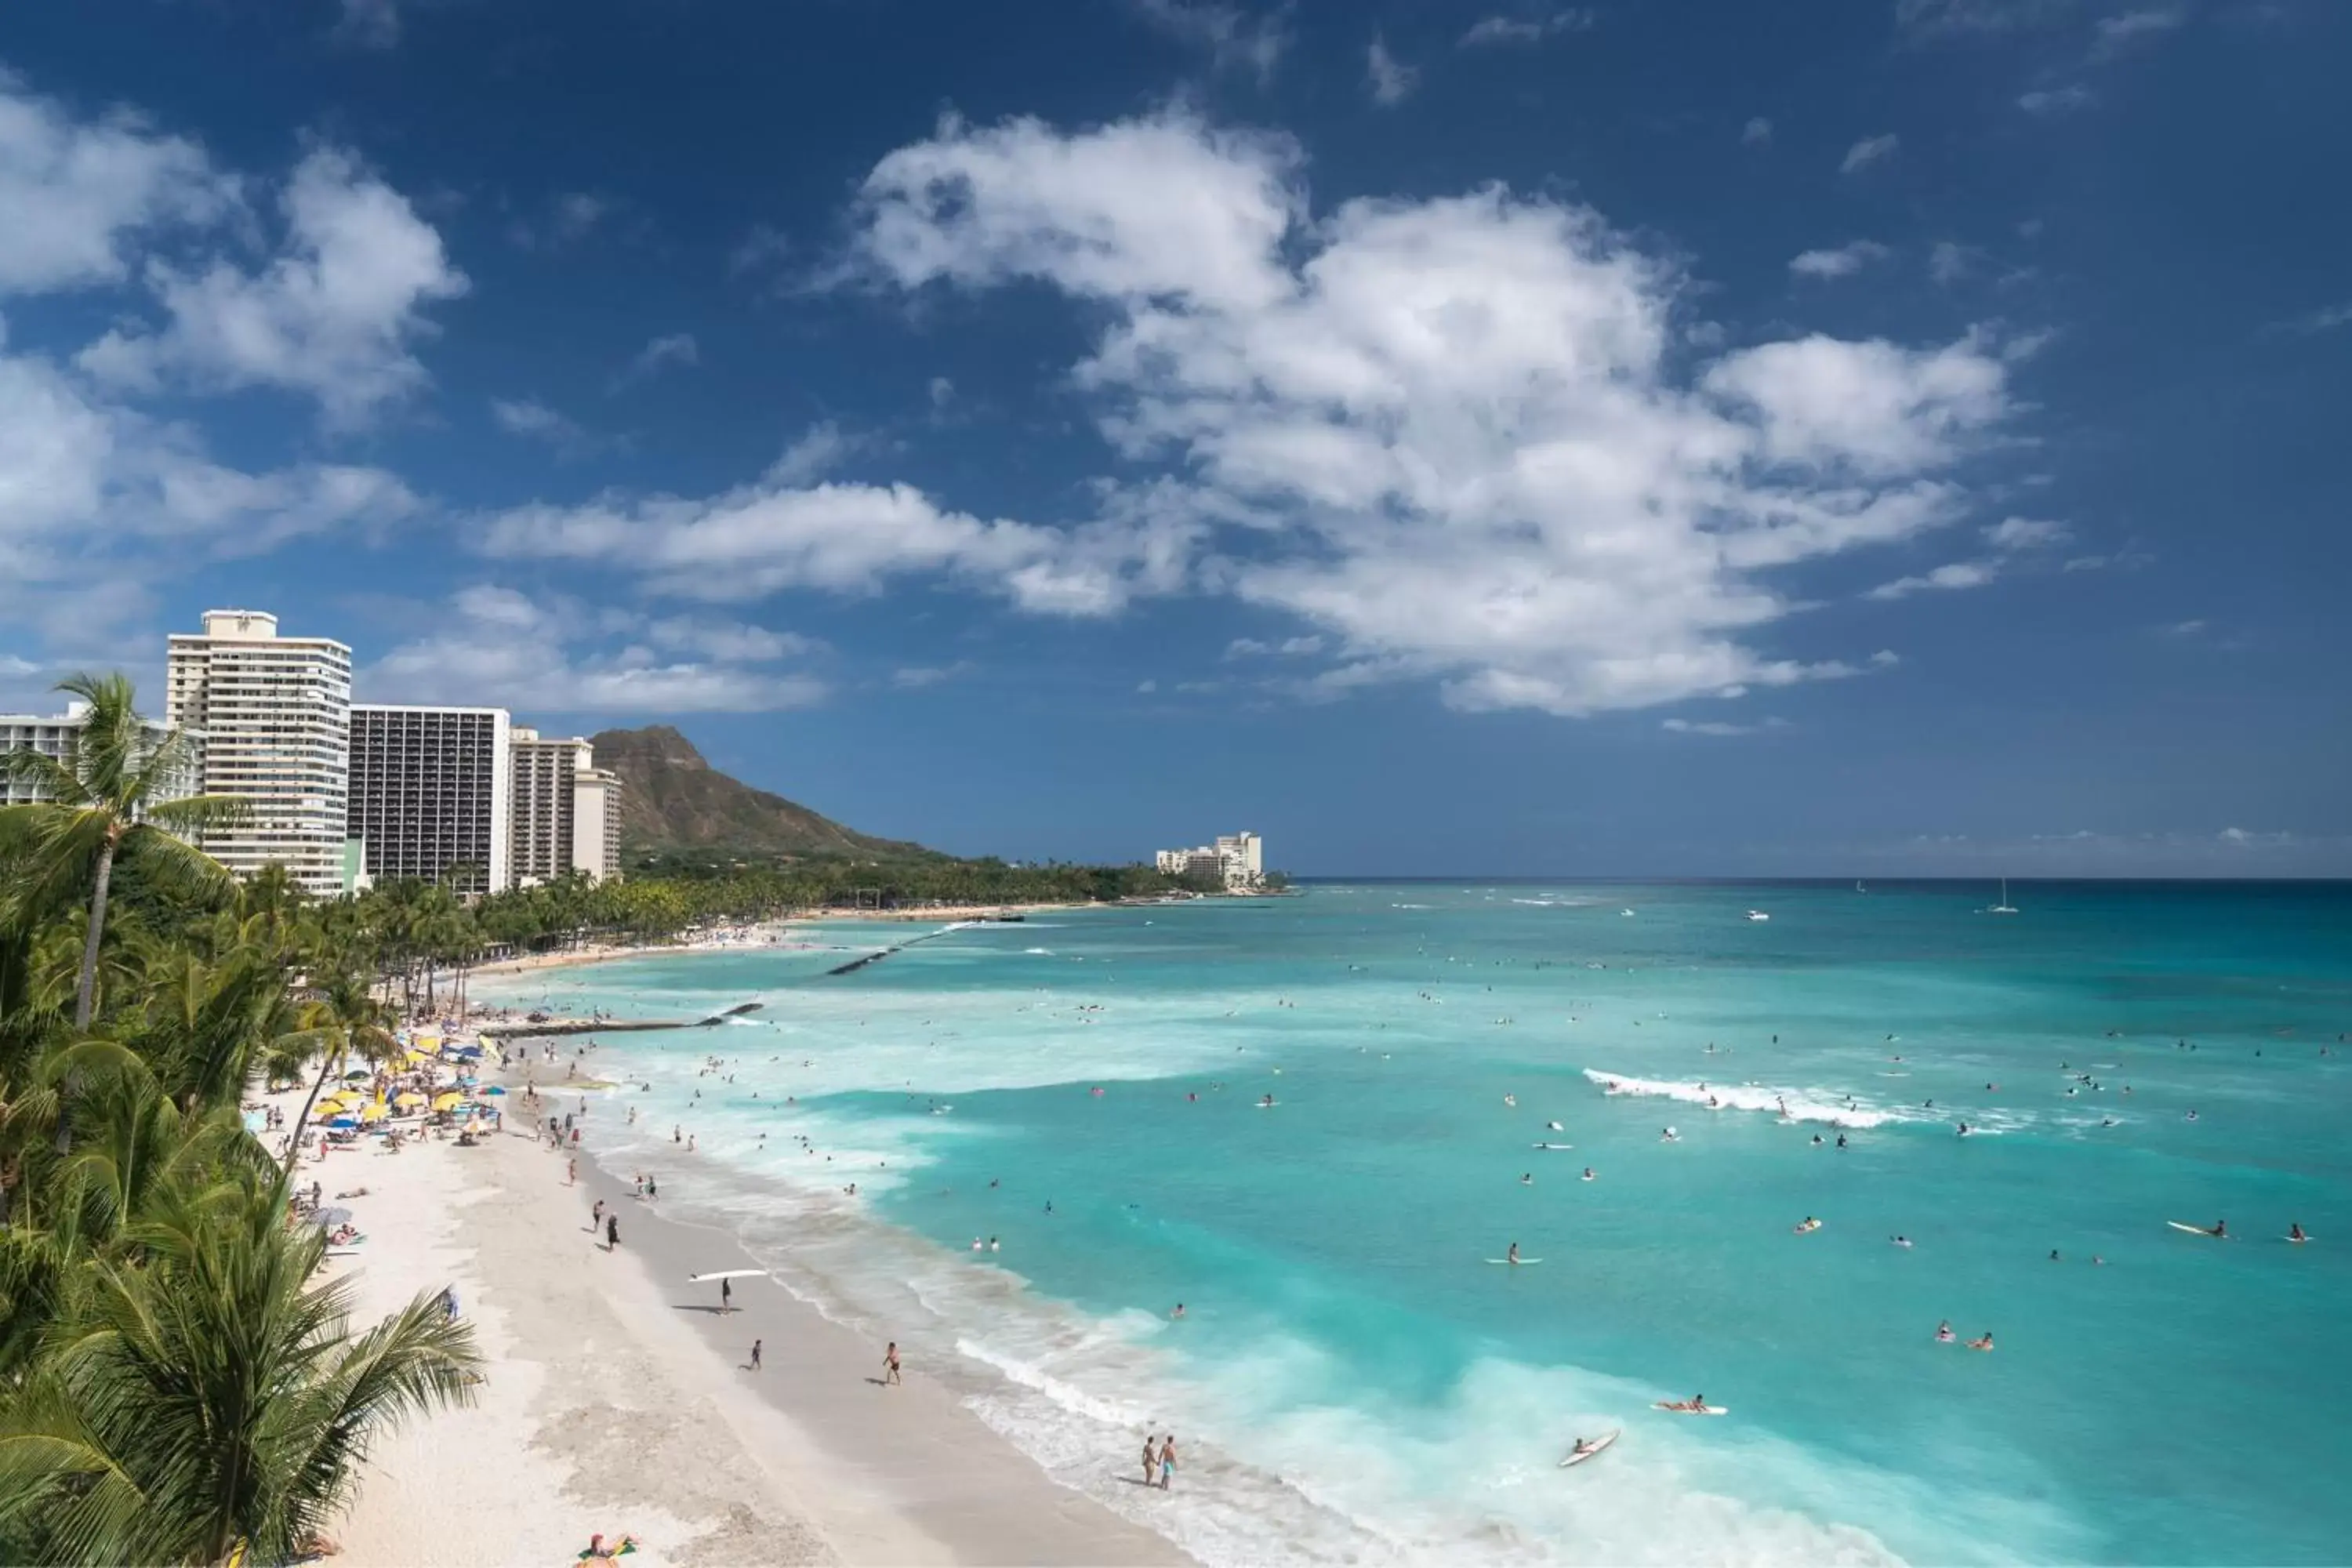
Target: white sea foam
(1796,1104)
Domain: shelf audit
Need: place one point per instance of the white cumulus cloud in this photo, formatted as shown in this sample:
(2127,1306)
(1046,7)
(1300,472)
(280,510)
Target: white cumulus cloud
(1390,80)
(75,196)
(1234,38)
(1488,31)
(1843,261)
(1870,150)
(1448,433)
(547,655)
(333,317)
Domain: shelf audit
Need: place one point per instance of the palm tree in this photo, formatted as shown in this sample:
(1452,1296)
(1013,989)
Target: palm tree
(209,1402)
(109,798)
(342,1018)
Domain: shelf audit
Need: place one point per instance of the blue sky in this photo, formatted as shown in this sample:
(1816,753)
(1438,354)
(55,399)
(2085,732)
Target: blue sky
(1856,436)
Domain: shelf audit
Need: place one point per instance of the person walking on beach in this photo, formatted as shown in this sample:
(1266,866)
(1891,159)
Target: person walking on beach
(890,1363)
(755,1355)
(611,1233)
(1151,1458)
(596,1215)
(572,1174)
(1167,1461)
(727,1295)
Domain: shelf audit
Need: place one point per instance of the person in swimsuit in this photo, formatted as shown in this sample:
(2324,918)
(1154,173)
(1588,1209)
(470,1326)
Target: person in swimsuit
(2294,1233)
(1983,1345)
(1944,1334)
(1583,1446)
(1513,1254)
(890,1363)
(1151,1458)
(1167,1461)
(2221,1227)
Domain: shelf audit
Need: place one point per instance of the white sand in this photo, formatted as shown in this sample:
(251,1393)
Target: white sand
(615,1400)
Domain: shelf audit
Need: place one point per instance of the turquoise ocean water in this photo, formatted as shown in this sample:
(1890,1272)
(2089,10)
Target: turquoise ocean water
(1351,1382)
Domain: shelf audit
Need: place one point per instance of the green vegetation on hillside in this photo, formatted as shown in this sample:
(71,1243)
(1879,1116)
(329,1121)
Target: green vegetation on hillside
(673,803)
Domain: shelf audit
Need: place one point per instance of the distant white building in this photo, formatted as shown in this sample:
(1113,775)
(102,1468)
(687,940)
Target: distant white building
(1237,859)
(276,716)
(56,735)
(567,811)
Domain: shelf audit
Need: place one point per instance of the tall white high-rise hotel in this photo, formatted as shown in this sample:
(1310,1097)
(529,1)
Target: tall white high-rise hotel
(276,713)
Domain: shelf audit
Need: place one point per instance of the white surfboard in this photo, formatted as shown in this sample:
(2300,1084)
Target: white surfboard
(1522,1263)
(1599,1445)
(2297,1240)
(2195,1229)
(1554,1145)
(725,1274)
(1677,1410)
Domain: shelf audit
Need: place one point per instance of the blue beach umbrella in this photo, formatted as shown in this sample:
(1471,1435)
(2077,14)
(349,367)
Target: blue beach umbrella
(494,1089)
(342,1122)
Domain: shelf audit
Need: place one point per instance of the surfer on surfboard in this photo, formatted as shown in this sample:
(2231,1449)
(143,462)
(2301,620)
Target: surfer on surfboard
(2294,1233)
(1512,1256)
(1695,1405)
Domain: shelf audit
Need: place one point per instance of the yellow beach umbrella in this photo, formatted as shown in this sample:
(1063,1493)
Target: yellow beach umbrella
(373,1111)
(408,1096)
(449,1101)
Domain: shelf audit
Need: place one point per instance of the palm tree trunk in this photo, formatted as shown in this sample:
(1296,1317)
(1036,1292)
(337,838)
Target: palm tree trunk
(294,1144)
(88,991)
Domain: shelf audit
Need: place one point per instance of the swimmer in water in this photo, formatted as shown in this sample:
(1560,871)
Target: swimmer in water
(1587,1172)
(1982,1345)
(1901,1240)
(1944,1335)
(1527,1179)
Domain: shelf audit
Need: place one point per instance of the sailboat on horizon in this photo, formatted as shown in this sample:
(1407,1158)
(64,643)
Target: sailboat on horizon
(2004,906)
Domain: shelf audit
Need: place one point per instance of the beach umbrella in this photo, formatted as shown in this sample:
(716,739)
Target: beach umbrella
(408,1096)
(343,1123)
(494,1089)
(373,1113)
(448,1101)
(358,1075)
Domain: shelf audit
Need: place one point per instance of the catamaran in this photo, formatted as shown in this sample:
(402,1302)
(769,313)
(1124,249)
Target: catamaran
(2004,906)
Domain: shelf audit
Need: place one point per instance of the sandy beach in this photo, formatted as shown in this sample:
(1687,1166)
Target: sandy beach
(618,1398)
(770,934)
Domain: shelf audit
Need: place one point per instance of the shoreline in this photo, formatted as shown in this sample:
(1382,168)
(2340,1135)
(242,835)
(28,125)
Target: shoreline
(777,933)
(616,1398)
